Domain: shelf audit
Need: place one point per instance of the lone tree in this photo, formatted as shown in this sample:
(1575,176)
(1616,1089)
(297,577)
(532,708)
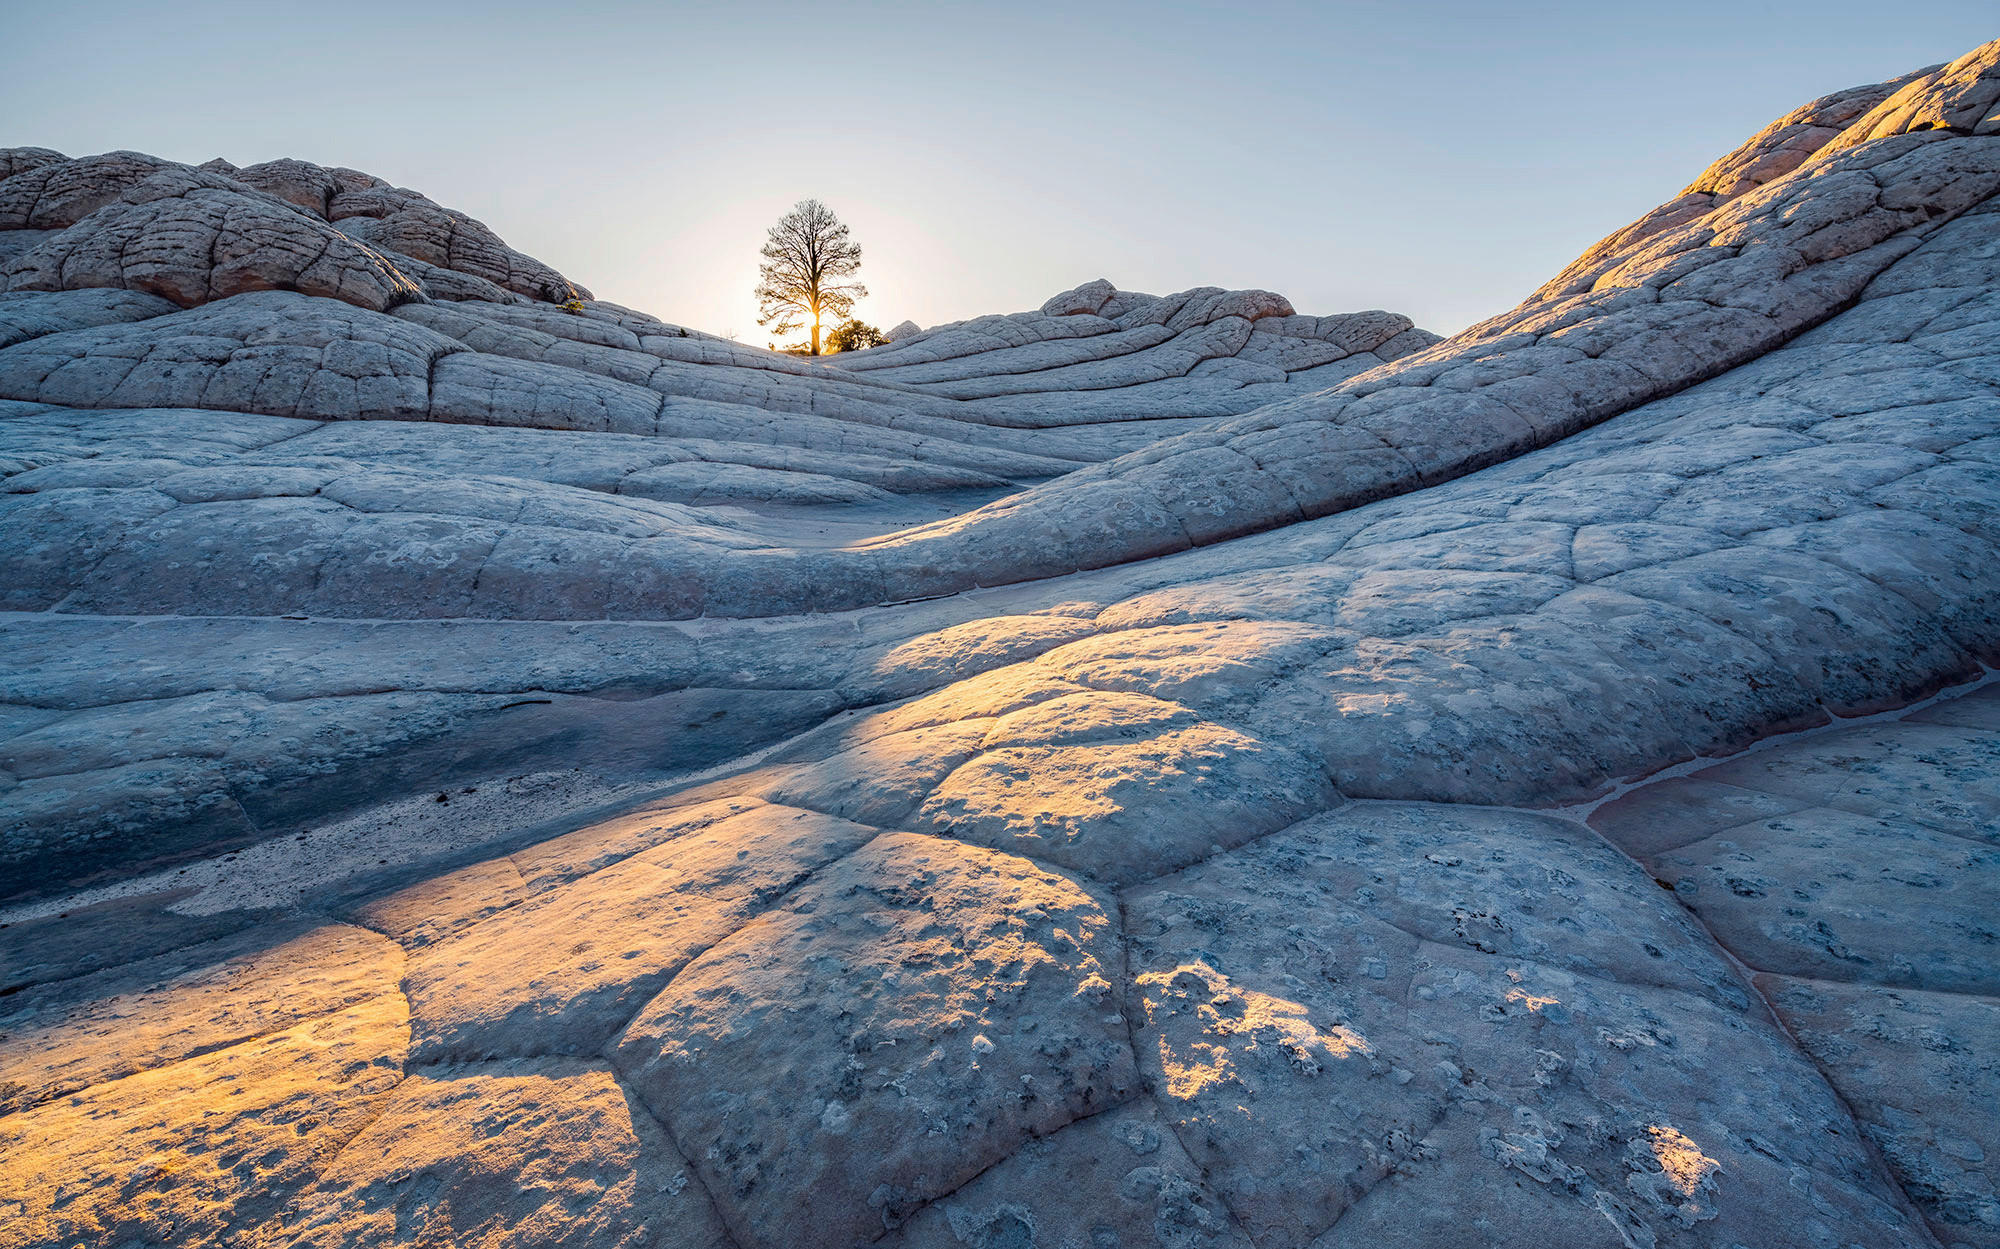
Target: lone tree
(805,256)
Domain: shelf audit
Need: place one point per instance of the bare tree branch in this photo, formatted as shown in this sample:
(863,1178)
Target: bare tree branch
(804,255)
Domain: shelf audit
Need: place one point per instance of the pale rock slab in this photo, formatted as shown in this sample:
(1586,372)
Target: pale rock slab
(67,1037)
(203,1151)
(33,314)
(1936,777)
(912,1016)
(1828,894)
(979,644)
(1115,1178)
(435,909)
(562,972)
(562,859)
(881,780)
(1122,802)
(1421,967)
(529,1154)
(1921,1071)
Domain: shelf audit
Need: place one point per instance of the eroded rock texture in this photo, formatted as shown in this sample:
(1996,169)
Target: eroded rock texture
(1150,771)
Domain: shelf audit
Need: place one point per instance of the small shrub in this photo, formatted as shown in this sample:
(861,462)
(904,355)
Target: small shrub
(853,335)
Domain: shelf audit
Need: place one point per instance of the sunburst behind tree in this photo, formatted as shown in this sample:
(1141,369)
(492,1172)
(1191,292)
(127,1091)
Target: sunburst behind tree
(805,256)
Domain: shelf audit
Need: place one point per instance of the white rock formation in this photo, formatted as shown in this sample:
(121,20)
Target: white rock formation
(479,773)
(1098,354)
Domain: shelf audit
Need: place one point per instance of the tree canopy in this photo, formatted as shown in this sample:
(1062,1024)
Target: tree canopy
(853,335)
(805,256)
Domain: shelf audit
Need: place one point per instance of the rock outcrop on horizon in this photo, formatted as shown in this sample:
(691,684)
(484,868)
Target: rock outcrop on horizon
(1098,354)
(1151,771)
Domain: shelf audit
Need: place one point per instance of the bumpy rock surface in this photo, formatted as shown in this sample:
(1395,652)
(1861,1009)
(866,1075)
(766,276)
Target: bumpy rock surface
(1097,353)
(192,237)
(480,773)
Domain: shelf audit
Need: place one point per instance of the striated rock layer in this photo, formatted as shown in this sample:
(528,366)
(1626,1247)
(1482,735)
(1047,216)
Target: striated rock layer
(1151,771)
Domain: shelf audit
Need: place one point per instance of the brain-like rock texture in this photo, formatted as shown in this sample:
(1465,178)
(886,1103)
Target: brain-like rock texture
(195,235)
(1096,354)
(192,238)
(1148,771)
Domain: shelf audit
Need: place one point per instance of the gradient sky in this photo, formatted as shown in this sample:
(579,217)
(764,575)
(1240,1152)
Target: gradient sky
(1438,159)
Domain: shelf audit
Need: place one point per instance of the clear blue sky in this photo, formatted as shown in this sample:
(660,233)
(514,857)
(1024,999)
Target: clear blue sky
(1439,159)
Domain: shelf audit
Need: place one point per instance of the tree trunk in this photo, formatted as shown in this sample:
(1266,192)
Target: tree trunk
(815,335)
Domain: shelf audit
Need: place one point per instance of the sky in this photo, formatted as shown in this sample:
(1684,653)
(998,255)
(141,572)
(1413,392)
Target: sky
(1438,159)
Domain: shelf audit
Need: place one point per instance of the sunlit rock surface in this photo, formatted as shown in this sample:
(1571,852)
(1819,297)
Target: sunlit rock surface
(1148,771)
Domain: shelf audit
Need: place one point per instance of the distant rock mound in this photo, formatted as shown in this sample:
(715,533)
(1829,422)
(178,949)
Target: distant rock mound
(195,235)
(1096,353)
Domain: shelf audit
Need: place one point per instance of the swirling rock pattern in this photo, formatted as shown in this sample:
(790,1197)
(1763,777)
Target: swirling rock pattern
(1147,771)
(191,237)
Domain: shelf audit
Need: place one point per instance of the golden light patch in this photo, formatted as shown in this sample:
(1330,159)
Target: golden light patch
(1202,1067)
(1236,1021)
(1681,1159)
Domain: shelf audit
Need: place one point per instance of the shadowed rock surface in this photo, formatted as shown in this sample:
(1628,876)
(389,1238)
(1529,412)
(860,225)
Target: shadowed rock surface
(1156,770)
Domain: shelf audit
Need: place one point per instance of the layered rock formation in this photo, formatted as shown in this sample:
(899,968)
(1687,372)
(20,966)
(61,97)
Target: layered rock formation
(1097,353)
(1250,833)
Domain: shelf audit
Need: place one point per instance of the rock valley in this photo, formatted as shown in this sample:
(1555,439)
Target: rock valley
(480,765)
